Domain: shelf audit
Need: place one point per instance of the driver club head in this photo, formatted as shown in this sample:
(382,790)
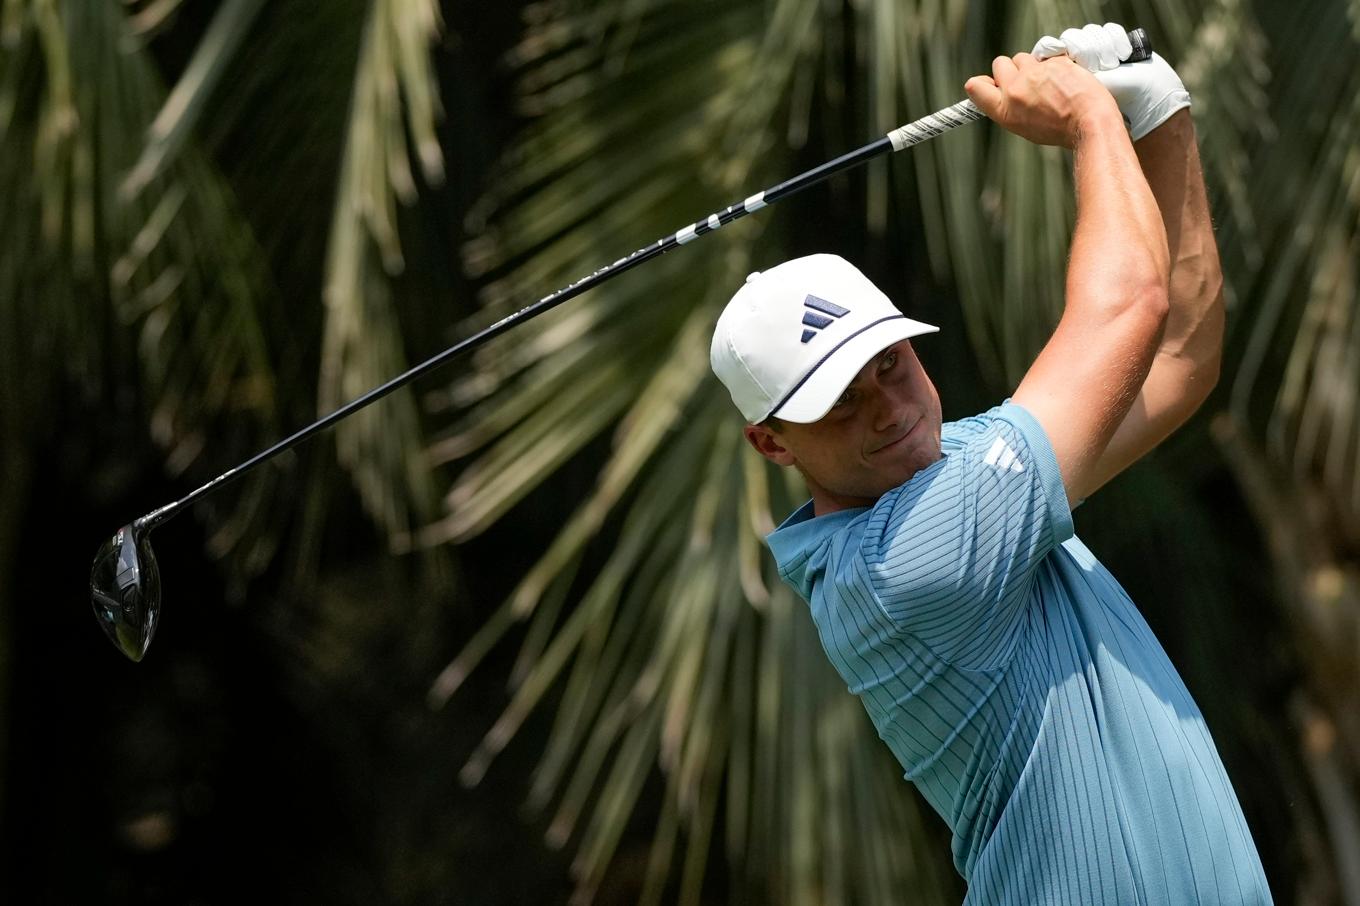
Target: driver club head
(125,589)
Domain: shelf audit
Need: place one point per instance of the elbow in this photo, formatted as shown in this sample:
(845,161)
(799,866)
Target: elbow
(1146,313)
(1151,303)
(1157,300)
(1137,310)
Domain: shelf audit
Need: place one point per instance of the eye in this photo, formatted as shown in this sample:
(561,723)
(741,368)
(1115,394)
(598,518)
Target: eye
(844,398)
(888,361)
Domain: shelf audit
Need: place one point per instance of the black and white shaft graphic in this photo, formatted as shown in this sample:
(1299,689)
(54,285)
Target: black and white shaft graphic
(125,583)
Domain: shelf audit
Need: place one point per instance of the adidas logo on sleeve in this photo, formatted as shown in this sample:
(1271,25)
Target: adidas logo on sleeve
(1002,457)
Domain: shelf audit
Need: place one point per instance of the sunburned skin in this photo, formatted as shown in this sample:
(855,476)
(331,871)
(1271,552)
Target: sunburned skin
(883,430)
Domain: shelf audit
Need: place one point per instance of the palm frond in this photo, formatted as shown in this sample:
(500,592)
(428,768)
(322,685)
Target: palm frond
(728,713)
(998,211)
(178,117)
(168,281)
(660,651)
(362,344)
(1299,369)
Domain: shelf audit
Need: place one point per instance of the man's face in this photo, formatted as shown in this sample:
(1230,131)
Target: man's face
(884,429)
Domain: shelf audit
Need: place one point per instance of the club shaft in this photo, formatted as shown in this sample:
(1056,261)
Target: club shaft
(903,137)
(912,133)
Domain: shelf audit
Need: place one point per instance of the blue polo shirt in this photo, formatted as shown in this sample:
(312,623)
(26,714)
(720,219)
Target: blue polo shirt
(1017,684)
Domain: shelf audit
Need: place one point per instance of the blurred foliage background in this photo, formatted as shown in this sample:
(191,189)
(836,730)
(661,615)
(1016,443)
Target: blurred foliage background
(511,635)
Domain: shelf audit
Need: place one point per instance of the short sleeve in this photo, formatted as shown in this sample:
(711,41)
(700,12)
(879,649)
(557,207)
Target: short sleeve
(951,554)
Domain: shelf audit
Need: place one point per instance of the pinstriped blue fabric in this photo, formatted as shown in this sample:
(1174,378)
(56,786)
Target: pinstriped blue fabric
(1018,686)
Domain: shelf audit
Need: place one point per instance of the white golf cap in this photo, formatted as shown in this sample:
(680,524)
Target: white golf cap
(794,337)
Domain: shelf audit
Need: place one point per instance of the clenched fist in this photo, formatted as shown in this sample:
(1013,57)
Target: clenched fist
(1050,102)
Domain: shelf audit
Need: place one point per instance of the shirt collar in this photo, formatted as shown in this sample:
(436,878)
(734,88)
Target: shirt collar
(802,530)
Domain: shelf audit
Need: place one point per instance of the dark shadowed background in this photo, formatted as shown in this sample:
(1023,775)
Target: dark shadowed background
(511,637)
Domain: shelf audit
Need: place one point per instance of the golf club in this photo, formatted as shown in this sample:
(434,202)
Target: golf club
(125,584)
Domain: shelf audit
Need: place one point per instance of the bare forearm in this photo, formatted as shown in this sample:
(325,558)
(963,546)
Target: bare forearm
(1119,246)
(1186,365)
(1194,327)
(1081,386)
(1084,381)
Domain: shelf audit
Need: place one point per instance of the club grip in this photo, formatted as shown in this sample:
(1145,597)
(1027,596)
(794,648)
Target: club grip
(1142,46)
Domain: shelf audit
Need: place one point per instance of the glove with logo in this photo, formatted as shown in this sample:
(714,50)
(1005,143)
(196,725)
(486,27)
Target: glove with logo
(1147,92)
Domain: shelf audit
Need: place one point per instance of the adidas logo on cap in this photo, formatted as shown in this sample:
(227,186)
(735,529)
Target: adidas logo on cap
(816,322)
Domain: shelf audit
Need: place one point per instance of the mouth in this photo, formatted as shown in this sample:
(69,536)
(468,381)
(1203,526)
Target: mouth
(898,441)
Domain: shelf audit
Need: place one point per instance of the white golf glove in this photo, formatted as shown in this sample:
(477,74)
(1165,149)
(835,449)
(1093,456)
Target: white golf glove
(1147,92)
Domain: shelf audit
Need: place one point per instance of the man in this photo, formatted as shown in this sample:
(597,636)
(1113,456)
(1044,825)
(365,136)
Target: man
(1006,669)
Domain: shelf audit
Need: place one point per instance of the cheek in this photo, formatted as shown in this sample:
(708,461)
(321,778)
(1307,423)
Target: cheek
(838,462)
(925,390)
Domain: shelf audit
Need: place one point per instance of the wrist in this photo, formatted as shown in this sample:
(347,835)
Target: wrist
(1098,120)
(1175,135)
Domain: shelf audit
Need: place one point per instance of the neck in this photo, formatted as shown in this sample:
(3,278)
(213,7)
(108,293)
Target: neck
(825,502)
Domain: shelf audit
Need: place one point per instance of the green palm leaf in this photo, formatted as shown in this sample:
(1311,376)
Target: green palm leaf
(132,243)
(178,117)
(97,284)
(1291,431)
(394,90)
(1300,366)
(754,709)
(680,651)
(362,344)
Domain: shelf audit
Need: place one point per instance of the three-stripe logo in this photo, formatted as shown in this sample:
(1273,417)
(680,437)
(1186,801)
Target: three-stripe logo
(818,314)
(1002,457)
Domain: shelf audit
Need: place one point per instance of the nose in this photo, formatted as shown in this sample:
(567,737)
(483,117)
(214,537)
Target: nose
(888,410)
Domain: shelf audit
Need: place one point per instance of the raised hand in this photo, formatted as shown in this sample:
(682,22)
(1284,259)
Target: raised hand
(1147,92)
(1049,102)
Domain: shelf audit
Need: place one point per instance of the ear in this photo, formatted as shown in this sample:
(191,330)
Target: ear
(768,444)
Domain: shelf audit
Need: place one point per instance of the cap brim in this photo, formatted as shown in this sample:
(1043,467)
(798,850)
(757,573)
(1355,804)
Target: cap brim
(822,386)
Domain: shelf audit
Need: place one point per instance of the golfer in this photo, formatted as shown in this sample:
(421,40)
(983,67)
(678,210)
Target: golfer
(1005,668)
